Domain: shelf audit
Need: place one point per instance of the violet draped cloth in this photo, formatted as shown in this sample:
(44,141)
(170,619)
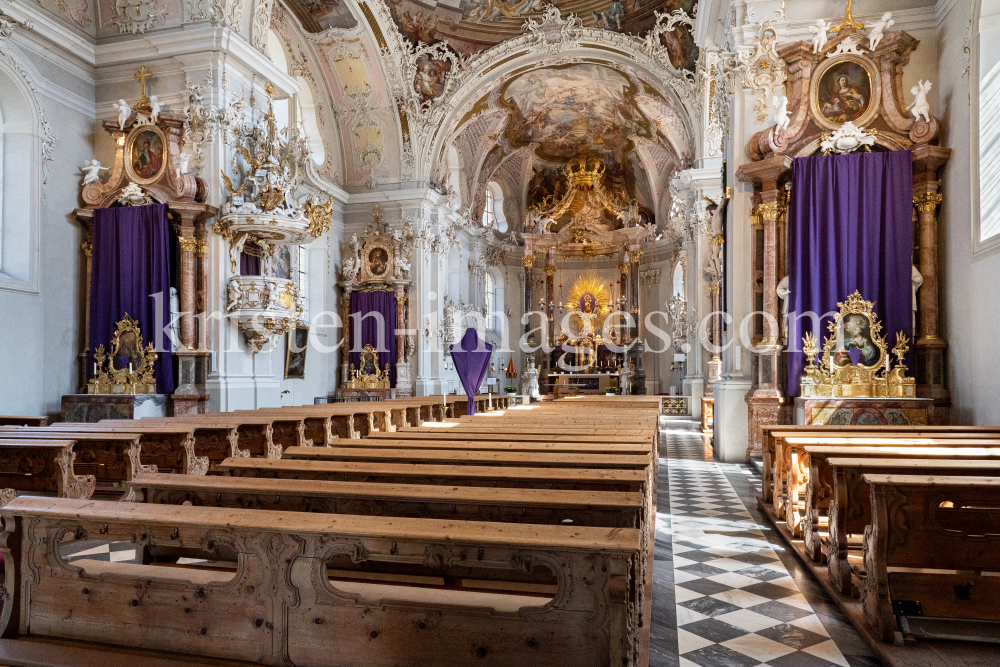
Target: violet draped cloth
(131,264)
(849,228)
(383,303)
(472,357)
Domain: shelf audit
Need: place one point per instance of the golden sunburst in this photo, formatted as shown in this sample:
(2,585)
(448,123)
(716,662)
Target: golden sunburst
(588,292)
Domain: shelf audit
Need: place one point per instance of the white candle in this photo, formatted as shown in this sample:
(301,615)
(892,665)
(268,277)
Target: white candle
(130,367)
(95,369)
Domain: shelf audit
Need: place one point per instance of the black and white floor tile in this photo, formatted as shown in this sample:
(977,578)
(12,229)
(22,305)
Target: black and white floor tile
(737,603)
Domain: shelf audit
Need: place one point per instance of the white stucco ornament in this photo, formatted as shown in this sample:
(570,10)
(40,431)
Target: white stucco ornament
(819,35)
(781,118)
(875,34)
(847,139)
(920,106)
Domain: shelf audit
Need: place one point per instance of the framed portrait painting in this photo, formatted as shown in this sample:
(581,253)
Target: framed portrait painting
(378,262)
(845,89)
(854,332)
(145,154)
(295,353)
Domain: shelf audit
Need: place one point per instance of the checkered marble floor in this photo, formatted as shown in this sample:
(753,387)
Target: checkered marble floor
(115,552)
(736,603)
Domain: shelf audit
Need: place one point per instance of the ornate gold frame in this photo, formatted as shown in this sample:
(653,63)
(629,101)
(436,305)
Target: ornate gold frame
(130,144)
(390,262)
(879,380)
(874,104)
(111,380)
(360,380)
(290,337)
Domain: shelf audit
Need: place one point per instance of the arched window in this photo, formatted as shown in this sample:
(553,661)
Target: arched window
(678,280)
(490,296)
(20,187)
(489,217)
(985,88)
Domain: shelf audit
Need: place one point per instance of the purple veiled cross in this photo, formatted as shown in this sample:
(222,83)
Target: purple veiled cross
(472,358)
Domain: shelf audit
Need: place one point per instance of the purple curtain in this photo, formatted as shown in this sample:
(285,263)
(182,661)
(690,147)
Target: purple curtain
(383,303)
(849,228)
(249,265)
(131,263)
(472,358)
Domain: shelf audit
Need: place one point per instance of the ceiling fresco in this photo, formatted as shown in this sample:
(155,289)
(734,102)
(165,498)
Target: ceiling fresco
(320,15)
(471,26)
(569,110)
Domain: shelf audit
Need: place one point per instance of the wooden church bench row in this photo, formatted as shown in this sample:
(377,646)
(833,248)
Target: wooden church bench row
(305,590)
(14,420)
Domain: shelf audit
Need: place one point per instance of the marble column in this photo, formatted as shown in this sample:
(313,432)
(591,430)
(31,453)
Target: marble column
(345,314)
(188,288)
(85,368)
(634,308)
(528,261)
(550,295)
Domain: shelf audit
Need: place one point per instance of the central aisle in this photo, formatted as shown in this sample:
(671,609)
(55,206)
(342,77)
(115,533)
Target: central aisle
(725,591)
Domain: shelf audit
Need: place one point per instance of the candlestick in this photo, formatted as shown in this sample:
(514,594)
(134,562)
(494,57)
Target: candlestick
(130,367)
(95,369)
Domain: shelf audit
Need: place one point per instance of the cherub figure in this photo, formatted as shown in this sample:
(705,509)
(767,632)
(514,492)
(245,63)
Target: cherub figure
(182,166)
(875,35)
(235,293)
(124,111)
(155,106)
(91,169)
(781,113)
(819,35)
(920,106)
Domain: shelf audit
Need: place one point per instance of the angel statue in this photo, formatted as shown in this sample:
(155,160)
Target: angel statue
(350,270)
(91,169)
(235,293)
(875,34)
(781,119)
(183,160)
(920,106)
(155,107)
(124,111)
(402,263)
(819,35)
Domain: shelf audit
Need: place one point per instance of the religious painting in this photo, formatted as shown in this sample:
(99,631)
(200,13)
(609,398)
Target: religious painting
(282,262)
(587,303)
(369,361)
(845,90)
(320,15)
(378,261)
(297,342)
(855,333)
(569,109)
(145,155)
(472,26)
(429,81)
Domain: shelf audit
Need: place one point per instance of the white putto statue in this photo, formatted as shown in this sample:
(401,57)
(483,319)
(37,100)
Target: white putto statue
(91,169)
(235,293)
(529,382)
(182,163)
(155,107)
(350,270)
(819,35)
(124,111)
(783,291)
(875,35)
(625,378)
(781,113)
(920,106)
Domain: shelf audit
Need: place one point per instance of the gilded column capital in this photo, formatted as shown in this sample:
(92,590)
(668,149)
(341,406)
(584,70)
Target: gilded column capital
(87,247)
(202,247)
(550,270)
(634,255)
(767,211)
(187,244)
(927,202)
(528,261)
(623,267)
(714,290)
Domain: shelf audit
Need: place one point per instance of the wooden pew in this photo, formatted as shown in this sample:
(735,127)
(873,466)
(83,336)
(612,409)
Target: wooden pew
(318,589)
(498,434)
(38,466)
(174,447)
(790,469)
(541,506)
(111,458)
(448,457)
(465,475)
(513,445)
(11,420)
(925,523)
(797,473)
(773,464)
(851,508)
(255,436)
